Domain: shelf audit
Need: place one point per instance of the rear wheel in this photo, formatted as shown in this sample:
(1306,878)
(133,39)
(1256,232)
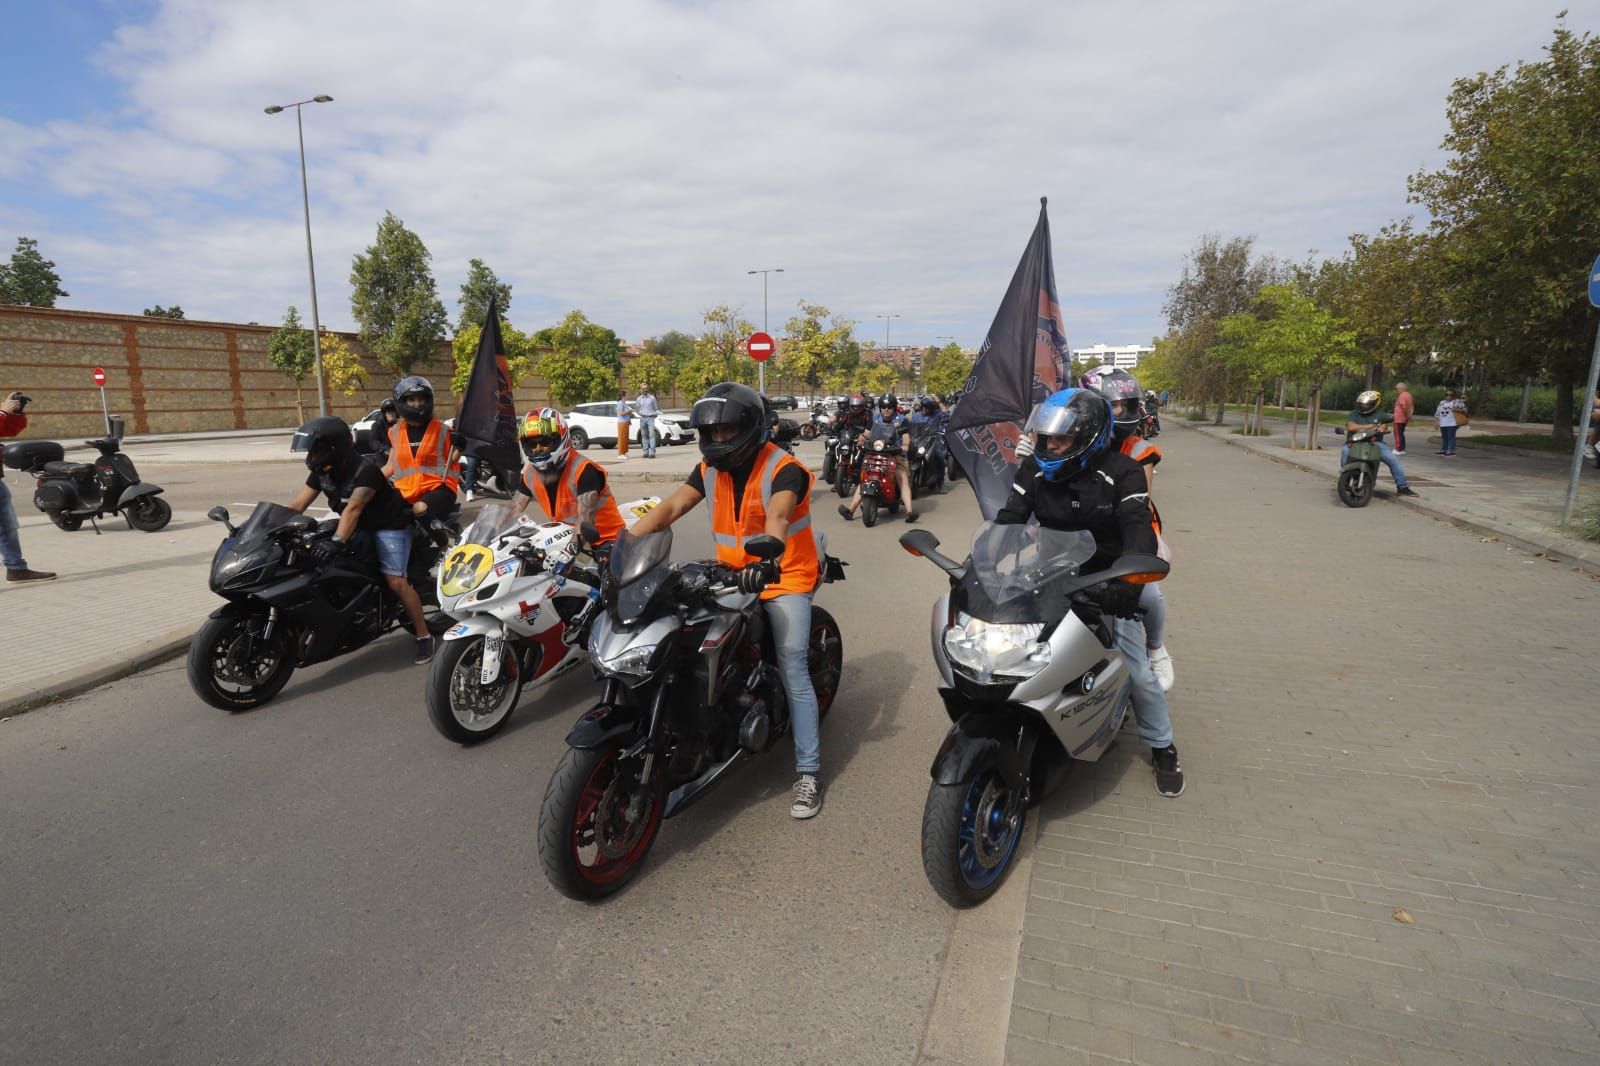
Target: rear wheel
(233,667)
(69,522)
(970,832)
(149,513)
(869,511)
(578,438)
(808,431)
(460,706)
(824,658)
(598,820)
(1355,488)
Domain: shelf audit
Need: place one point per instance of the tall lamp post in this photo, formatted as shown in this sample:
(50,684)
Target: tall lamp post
(761,367)
(886,319)
(311,270)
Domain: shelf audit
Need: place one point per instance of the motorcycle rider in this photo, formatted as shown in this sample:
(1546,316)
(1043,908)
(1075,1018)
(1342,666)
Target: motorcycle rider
(372,513)
(1364,416)
(568,487)
(755,487)
(1074,480)
(927,413)
(423,462)
(891,427)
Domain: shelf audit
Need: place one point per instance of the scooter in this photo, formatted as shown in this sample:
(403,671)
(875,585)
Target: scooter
(70,492)
(880,489)
(1032,681)
(1359,474)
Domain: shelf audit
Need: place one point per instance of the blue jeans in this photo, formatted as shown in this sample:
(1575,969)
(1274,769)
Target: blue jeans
(1448,435)
(790,618)
(393,548)
(1154,604)
(10,545)
(1149,702)
(647,434)
(469,473)
(1386,453)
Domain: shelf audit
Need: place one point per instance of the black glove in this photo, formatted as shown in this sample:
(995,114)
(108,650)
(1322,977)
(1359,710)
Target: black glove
(325,551)
(756,576)
(1121,599)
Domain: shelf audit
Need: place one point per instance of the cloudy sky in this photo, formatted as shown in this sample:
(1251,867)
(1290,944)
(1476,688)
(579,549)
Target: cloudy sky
(635,158)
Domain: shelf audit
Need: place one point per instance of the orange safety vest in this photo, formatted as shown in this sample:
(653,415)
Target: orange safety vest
(1138,449)
(426,468)
(607,519)
(801,567)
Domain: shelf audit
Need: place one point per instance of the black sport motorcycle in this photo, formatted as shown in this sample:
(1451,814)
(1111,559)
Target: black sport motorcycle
(692,690)
(289,606)
(922,471)
(70,492)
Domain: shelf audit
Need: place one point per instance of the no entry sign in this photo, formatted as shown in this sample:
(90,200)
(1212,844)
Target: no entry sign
(760,346)
(99,375)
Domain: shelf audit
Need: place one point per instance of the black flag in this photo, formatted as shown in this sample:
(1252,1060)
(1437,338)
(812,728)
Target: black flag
(1024,358)
(487,424)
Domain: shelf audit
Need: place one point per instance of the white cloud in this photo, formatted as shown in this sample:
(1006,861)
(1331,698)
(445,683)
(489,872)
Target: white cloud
(635,158)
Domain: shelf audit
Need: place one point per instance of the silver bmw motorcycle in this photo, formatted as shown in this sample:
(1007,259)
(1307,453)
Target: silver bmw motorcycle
(1032,680)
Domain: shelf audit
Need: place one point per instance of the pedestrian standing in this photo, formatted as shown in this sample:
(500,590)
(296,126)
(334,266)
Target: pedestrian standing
(12,422)
(647,409)
(624,424)
(1451,414)
(1593,439)
(1404,406)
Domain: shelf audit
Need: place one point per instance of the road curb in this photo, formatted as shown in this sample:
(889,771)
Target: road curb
(112,668)
(1556,551)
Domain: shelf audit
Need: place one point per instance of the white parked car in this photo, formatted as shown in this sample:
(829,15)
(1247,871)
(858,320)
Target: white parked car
(596,423)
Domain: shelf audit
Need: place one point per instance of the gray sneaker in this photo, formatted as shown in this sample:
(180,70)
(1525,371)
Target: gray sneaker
(807,797)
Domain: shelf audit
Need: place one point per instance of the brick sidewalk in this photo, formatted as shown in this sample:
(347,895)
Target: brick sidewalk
(1381,718)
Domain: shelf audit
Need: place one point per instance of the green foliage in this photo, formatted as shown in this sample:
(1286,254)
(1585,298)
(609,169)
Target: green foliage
(481,285)
(290,348)
(575,378)
(163,312)
(649,368)
(1586,521)
(30,280)
(521,355)
(395,300)
(576,335)
(875,378)
(1219,279)
(342,366)
(675,347)
(816,342)
(720,345)
(947,370)
(1384,288)
(1286,335)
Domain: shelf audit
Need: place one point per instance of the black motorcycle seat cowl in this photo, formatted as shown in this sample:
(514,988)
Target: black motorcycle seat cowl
(32,454)
(70,469)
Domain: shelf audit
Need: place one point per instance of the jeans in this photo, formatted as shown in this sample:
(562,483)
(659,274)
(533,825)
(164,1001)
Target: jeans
(1386,453)
(1400,436)
(392,546)
(647,434)
(789,616)
(1448,435)
(10,544)
(1149,702)
(469,473)
(1154,604)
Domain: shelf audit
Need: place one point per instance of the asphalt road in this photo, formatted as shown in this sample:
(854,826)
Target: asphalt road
(327,879)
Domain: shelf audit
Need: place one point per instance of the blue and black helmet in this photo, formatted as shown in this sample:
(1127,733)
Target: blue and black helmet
(1078,414)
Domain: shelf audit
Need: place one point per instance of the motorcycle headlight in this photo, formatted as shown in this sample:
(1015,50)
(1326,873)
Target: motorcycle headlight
(632,662)
(877,445)
(990,652)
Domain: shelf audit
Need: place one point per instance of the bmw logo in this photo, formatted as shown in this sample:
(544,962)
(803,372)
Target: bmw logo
(1088,682)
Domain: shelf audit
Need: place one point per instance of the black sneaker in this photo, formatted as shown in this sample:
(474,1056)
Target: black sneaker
(1406,492)
(1169,772)
(24,574)
(807,797)
(844,513)
(424,651)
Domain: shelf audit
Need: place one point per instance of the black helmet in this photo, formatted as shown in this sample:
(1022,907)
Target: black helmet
(326,442)
(415,385)
(1120,389)
(1081,415)
(888,400)
(388,407)
(929,404)
(729,403)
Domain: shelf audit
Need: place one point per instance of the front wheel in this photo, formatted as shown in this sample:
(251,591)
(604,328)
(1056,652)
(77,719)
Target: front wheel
(149,513)
(808,431)
(970,832)
(233,667)
(460,706)
(869,511)
(578,438)
(1355,487)
(598,820)
(69,522)
(843,483)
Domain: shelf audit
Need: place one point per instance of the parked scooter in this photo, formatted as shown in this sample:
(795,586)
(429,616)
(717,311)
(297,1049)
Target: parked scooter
(692,690)
(1359,475)
(71,492)
(523,601)
(1032,680)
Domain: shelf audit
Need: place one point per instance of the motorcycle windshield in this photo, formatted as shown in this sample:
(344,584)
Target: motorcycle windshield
(1016,572)
(240,557)
(267,519)
(637,565)
(492,521)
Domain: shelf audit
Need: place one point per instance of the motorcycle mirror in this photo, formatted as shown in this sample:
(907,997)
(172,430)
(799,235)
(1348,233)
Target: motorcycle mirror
(219,513)
(1338,431)
(924,545)
(764,546)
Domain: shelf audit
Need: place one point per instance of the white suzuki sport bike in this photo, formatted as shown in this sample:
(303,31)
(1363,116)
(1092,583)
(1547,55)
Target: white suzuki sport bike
(522,593)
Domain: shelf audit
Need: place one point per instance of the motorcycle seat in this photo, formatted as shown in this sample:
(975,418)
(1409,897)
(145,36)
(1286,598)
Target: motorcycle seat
(65,469)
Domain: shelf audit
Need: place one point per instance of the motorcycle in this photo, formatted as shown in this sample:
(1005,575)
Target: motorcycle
(819,424)
(1032,681)
(287,608)
(923,472)
(1359,474)
(70,492)
(692,690)
(523,604)
(880,489)
(847,449)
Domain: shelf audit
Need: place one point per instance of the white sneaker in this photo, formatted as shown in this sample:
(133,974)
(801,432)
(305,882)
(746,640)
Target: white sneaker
(1161,663)
(1588,451)
(807,797)
(469,495)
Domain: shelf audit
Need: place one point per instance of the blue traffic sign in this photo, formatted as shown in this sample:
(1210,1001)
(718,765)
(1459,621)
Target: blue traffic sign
(1594,283)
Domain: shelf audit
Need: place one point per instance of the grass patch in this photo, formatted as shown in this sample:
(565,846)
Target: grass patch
(1266,431)
(1196,416)
(1586,522)
(1329,418)
(1533,442)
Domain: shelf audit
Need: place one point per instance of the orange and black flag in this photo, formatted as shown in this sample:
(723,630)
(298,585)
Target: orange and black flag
(1024,358)
(487,423)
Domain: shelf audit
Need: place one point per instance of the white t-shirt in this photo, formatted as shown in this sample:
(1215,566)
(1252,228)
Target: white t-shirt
(1446,412)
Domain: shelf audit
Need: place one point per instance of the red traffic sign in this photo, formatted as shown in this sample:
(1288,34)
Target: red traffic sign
(99,375)
(761,346)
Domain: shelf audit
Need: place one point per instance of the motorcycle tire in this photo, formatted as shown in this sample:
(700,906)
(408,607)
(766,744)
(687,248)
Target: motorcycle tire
(824,659)
(843,484)
(970,835)
(69,522)
(579,802)
(827,466)
(150,514)
(461,708)
(808,431)
(1355,488)
(869,512)
(216,643)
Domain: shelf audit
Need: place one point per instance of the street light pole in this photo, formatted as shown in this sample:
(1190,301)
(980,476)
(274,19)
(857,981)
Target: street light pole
(886,319)
(311,269)
(761,367)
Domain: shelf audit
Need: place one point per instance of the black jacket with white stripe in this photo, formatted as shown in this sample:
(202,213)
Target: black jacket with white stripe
(1109,499)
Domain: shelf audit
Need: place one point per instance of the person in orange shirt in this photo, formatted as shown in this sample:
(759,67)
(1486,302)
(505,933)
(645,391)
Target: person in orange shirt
(423,462)
(568,487)
(12,422)
(755,487)
(1404,406)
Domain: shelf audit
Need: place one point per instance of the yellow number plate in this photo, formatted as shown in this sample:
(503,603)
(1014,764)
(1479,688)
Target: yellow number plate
(464,568)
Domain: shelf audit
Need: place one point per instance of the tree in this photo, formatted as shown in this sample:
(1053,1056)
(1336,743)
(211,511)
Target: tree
(650,369)
(1383,288)
(721,345)
(1285,334)
(576,379)
(521,355)
(674,346)
(342,366)
(395,300)
(576,335)
(481,286)
(947,370)
(813,347)
(289,348)
(1219,279)
(163,312)
(30,280)
(875,378)
(1513,211)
